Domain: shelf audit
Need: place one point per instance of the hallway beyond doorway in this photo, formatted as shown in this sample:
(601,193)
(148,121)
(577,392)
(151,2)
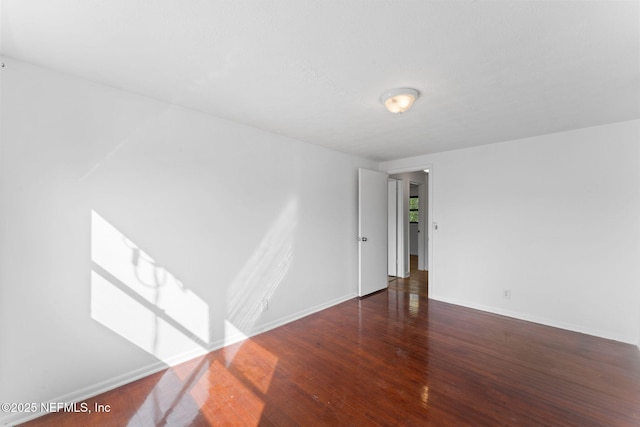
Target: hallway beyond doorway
(416,283)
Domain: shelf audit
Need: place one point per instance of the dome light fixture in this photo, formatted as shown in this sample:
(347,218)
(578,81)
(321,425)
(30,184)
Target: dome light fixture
(399,100)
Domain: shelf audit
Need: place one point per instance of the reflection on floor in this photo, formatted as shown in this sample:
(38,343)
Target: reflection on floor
(392,358)
(416,284)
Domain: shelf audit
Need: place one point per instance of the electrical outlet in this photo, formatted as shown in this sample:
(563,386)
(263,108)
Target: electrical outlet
(506,293)
(265,305)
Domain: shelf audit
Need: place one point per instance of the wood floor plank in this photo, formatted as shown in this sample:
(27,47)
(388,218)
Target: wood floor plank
(393,358)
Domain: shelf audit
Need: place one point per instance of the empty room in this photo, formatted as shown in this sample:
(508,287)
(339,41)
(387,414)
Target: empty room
(293,213)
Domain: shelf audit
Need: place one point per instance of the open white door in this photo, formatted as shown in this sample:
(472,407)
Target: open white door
(372,231)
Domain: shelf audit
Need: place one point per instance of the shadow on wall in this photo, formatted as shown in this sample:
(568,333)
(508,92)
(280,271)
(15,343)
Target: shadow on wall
(144,303)
(249,293)
(140,300)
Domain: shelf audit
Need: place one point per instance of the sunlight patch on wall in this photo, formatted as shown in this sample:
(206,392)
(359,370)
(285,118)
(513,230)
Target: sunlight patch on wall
(136,323)
(141,301)
(232,334)
(261,274)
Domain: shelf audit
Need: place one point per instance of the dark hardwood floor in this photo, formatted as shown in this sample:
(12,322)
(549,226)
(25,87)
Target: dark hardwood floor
(393,358)
(416,283)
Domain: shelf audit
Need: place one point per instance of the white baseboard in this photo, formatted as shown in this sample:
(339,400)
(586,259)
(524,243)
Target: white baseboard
(535,319)
(104,386)
(112,383)
(300,314)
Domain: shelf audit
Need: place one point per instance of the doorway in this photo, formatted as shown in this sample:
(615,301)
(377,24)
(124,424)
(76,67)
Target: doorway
(409,243)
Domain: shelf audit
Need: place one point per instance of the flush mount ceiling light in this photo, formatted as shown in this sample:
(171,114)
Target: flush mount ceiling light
(399,100)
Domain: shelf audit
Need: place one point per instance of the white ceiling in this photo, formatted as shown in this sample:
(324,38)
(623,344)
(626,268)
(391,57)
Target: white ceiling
(314,70)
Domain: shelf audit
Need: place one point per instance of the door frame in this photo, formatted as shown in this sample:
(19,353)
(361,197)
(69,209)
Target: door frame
(423,230)
(429,222)
(393,210)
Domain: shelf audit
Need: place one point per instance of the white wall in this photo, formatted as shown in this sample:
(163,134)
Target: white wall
(413,238)
(554,218)
(225,214)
